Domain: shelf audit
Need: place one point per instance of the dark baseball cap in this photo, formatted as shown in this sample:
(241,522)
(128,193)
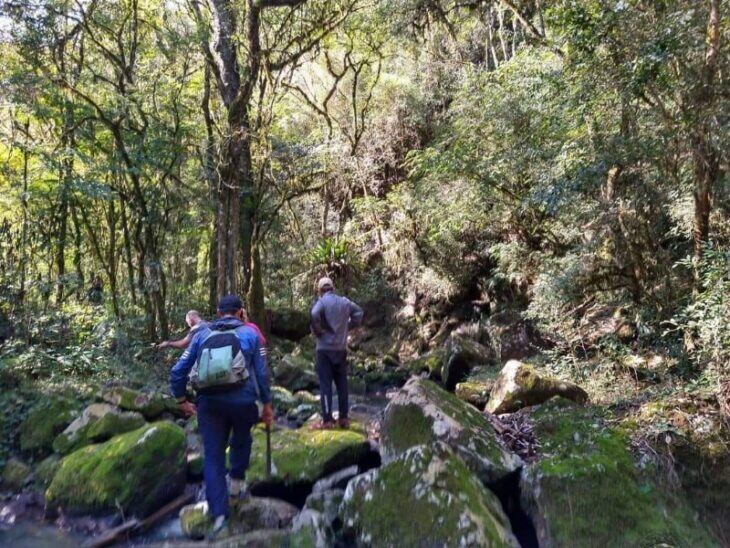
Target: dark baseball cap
(229,303)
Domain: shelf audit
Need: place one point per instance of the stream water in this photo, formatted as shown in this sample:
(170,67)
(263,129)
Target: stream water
(28,530)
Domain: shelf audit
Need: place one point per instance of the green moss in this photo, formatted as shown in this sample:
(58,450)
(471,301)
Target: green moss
(446,504)
(407,427)
(412,416)
(98,423)
(282,399)
(306,455)
(430,363)
(474,392)
(136,471)
(44,422)
(586,465)
(195,520)
(151,405)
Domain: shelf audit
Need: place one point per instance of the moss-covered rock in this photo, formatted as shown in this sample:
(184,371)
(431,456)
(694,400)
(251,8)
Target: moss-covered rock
(520,385)
(98,422)
(446,505)
(195,521)
(44,422)
(462,355)
(422,412)
(150,404)
(310,528)
(295,371)
(429,364)
(45,470)
(474,392)
(305,455)
(15,474)
(586,491)
(250,514)
(137,472)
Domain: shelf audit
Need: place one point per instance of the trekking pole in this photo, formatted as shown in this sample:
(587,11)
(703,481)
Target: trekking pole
(268,452)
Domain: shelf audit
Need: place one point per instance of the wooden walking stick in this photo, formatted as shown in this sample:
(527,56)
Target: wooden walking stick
(268,452)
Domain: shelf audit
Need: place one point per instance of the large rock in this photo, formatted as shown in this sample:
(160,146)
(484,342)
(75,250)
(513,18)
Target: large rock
(250,514)
(520,385)
(98,422)
(427,496)
(44,422)
(304,456)
(310,528)
(587,491)
(421,413)
(289,324)
(137,472)
(513,337)
(475,392)
(429,364)
(150,404)
(295,371)
(462,355)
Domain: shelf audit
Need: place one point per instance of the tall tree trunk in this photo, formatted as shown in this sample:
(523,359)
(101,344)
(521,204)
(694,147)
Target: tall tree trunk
(24,225)
(128,252)
(704,155)
(255,297)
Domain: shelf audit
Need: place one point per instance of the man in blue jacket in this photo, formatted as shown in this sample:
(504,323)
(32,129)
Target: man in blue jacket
(332,317)
(229,373)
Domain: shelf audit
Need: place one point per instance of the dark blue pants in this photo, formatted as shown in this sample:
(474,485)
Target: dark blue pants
(332,366)
(223,420)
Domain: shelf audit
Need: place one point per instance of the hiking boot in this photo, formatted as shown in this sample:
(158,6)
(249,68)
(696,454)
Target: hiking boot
(219,528)
(343,423)
(322,425)
(237,490)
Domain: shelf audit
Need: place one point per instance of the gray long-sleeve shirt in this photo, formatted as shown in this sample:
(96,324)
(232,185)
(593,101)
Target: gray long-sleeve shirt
(332,317)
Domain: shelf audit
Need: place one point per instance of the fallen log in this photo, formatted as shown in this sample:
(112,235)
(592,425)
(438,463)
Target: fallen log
(134,526)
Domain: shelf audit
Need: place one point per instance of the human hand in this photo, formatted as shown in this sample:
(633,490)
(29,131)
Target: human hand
(163,344)
(188,408)
(267,414)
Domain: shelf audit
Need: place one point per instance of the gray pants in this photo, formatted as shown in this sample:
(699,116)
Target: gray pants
(332,366)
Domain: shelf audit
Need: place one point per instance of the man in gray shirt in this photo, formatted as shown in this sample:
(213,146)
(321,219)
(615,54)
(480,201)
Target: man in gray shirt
(332,317)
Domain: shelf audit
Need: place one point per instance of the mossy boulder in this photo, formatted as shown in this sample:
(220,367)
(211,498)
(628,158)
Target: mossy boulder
(462,355)
(250,514)
(474,392)
(98,422)
(44,422)
(15,474)
(305,455)
(137,472)
(150,404)
(310,528)
(521,385)
(295,371)
(45,470)
(429,364)
(426,496)
(586,490)
(422,412)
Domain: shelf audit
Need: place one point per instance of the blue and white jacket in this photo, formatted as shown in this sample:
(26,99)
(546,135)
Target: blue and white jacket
(252,352)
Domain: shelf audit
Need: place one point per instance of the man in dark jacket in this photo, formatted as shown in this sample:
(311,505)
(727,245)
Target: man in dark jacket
(332,317)
(227,412)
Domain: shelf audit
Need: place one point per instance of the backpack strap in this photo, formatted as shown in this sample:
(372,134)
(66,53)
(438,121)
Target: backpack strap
(252,372)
